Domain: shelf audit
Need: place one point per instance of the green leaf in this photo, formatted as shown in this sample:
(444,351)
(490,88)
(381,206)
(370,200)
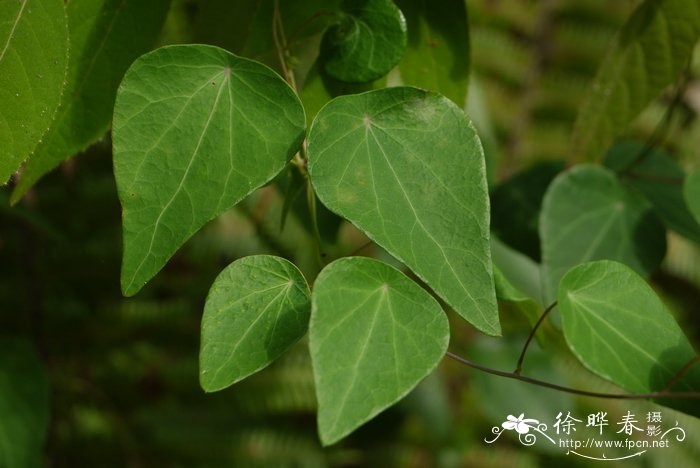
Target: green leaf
(33,57)
(374,334)
(257,308)
(105,37)
(619,328)
(186,121)
(691,192)
(437,56)
(588,215)
(515,207)
(367,43)
(648,54)
(24,405)
(658,178)
(406,167)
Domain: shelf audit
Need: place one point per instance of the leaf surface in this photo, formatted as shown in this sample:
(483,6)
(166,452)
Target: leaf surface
(257,308)
(618,327)
(368,41)
(691,193)
(374,335)
(105,37)
(406,167)
(24,405)
(196,129)
(33,58)
(648,54)
(588,215)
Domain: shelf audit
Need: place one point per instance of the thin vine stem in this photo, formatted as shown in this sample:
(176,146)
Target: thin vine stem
(679,375)
(521,358)
(575,391)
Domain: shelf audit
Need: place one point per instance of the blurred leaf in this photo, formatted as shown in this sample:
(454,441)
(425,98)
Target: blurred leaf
(691,192)
(619,328)
(648,54)
(256,309)
(186,120)
(374,335)
(588,215)
(658,177)
(515,207)
(368,41)
(406,167)
(437,56)
(105,37)
(33,58)
(24,405)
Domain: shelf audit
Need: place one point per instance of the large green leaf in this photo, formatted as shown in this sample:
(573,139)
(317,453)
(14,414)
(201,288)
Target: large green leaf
(196,129)
(656,176)
(374,334)
(437,56)
(588,215)
(24,405)
(33,57)
(368,41)
(648,54)
(691,193)
(256,309)
(105,37)
(406,167)
(619,328)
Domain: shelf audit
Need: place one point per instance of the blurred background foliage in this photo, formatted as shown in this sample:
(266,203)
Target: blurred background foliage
(122,373)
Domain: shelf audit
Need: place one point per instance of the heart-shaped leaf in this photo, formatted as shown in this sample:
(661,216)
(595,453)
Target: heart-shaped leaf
(691,193)
(33,58)
(406,167)
(619,328)
(196,129)
(374,334)
(588,215)
(367,42)
(256,309)
(124,29)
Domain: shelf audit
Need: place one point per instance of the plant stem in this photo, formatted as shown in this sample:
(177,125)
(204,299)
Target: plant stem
(684,370)
(519,366)
(541,383)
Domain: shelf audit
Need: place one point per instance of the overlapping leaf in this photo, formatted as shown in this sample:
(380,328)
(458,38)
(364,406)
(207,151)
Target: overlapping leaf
(256,309)
(196,129)
(691,193)
(24,405)
(374,334)
(33,57)
(407,168)
(437,56)
(658,178)
(105,37)
(367,43)
(588,215)
(619,328)
(649,54)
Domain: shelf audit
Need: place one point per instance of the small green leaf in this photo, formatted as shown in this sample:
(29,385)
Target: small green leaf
(367,43)
(406,167)
(24,405)
(619,328)
(658,177)
(257,308)
(33,58)
(105,37)
(648,54)
(437,56)
(187,121)
(374,334)
(588,215)
(691,192)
